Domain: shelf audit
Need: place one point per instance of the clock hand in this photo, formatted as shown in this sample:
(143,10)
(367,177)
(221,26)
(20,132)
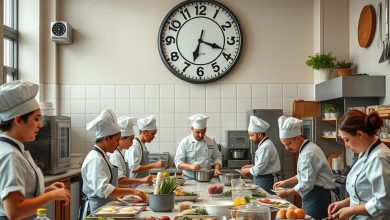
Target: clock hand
(212,45)
(196,52)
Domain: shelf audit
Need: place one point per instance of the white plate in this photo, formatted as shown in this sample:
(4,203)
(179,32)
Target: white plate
(250,186)
(284,202)
(186,198)
(278,189)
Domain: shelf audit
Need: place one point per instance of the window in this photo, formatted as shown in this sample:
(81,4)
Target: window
(10,41)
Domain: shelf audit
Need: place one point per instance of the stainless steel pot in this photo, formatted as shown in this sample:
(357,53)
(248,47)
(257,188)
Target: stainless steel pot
(227,178)
(203,175)
(238,154)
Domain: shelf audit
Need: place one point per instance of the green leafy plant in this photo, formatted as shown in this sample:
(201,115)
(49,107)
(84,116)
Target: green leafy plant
(343,65)
(168,185)
(330,108)
(321,61)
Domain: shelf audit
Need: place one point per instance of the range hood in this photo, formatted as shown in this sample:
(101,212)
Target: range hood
(352,86)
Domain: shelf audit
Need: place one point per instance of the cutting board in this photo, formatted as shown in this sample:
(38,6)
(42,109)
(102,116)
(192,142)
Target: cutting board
(367,25)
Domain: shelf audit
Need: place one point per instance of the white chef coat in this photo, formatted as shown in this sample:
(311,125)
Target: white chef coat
(117,159)
(369,181)
(266,159)
(134,158)
(312,169)
(204,152)
(18,174)
(96,175)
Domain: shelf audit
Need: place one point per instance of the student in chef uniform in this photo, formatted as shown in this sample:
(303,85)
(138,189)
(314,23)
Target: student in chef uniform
(368,182)
(197,150)
(314,179)
(117,159)
(100,178)
(267,163)
(22,189)
(137,155)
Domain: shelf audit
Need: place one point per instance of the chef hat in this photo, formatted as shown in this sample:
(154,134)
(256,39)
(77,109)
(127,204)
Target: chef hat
(289,127)
(257,125)
(17,98)
(105,124)
(198,121)
(126,124)
(147,124)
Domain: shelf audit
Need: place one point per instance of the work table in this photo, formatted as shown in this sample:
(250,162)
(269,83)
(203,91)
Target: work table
(68,174)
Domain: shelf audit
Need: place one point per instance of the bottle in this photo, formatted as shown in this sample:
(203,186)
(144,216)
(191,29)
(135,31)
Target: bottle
(41,214)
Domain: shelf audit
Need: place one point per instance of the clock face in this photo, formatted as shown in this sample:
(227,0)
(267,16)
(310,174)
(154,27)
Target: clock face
(59,29)
(200,41)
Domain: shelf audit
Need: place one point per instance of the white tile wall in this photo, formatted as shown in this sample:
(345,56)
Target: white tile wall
(225,104)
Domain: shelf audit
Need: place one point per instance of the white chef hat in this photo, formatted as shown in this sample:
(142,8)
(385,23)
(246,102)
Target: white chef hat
(17,98)
(257,125)
(289,127)
(198,121)
(126,124)
(147,124)
(105,124)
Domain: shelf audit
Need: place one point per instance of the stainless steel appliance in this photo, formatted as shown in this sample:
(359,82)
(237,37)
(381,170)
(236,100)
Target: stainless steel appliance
(237,149)
(286,159)
(51,147)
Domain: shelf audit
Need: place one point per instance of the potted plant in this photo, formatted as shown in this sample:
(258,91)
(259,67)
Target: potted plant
(323,65)
(343,68)
(330,110)
(164,199)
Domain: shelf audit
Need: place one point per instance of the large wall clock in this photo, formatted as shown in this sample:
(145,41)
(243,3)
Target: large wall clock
(200,40)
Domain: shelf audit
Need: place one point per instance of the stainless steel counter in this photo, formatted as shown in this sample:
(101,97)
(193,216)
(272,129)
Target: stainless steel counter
(68,174)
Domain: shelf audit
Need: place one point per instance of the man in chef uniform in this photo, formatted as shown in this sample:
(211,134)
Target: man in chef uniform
(314,179)
(197,150)
(117,159)
(137,155)
(100,178)
(267,163)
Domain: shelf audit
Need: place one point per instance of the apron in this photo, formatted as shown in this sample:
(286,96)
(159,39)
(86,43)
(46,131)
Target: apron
(144,161)
(91,204)
(127,173)
(316,202)
(265,181)
(38,173)
(364,217)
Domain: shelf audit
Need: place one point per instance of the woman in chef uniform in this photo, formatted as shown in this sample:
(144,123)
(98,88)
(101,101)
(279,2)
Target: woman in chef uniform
(197,150)
(138,155)
(368,182)
(100,178)
(314,179)
(117,159)
(21,183)
(267,163)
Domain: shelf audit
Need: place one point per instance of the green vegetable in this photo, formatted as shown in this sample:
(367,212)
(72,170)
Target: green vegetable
(199,211)
(190,194)
(168,185)
(248,199)
(321,61)
(227,193)
(258,194)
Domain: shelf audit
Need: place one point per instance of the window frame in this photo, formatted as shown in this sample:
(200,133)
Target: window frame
(11,33)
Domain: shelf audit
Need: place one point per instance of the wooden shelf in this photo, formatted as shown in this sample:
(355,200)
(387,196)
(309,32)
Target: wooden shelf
(330,137)
(329,119)
(386,141)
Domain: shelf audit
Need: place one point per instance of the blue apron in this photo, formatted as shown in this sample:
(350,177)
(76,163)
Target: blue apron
(265,181)
(316,202)
(91,204)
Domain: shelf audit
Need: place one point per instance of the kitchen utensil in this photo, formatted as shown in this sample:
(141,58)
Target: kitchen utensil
(238,153)
(227,178)
(254,211)
(366,26)
(203,175)
(239,171)
(387,15)
(384,49)
(220,208)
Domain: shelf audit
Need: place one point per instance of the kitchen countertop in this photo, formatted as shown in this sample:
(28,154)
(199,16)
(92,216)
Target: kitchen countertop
(68,174)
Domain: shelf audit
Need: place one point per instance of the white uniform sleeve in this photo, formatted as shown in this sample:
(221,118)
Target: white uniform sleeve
(306,174)
(261,162)
(115,160)
(99,177)
(12,175)
(180,154)
(134,156)
(217,155)
(380,180)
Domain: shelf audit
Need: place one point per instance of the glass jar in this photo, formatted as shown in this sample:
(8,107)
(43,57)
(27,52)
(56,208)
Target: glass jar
(253,211)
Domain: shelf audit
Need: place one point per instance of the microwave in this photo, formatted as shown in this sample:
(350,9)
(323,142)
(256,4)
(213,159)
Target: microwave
(51,147)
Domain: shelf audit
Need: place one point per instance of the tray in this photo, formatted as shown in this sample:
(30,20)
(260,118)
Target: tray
(118,210)
(200,217)
(186,198)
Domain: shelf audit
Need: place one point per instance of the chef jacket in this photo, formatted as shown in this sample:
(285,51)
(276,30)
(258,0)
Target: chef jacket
(204,152)
(96,175)
(19,172)
(312,169)
(117,159)
(136,157)
(369,181)
(266,159)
